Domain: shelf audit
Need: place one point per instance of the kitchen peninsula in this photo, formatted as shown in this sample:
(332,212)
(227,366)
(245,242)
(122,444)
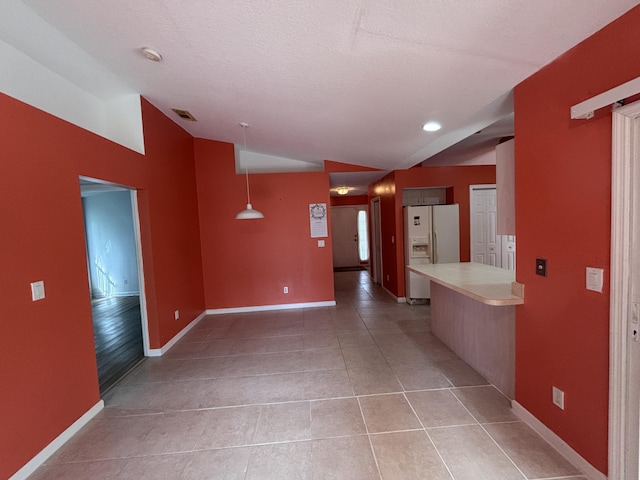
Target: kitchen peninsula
(473,313)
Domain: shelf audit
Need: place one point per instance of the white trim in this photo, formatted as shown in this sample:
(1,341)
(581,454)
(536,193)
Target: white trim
(621,243)
(126,294)
(137,238)
(390,293)
(158,352)
(263,308)
(584,110)
(556,442)
(37,461)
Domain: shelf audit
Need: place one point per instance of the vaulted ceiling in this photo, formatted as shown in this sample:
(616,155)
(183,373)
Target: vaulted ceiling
(346,80)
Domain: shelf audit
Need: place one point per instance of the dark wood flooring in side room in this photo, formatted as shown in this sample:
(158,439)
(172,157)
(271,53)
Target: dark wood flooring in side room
(117,332)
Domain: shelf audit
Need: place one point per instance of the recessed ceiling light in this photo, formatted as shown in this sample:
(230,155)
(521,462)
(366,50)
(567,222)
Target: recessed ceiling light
(151,54)
(431,127)
(342,190)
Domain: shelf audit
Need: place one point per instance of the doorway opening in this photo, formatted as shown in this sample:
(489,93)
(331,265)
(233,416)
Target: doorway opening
(349,231)
(114,278)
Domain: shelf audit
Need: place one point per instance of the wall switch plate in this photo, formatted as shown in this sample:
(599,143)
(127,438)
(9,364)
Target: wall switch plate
(320,243)
(541,266)
(558,397)
(286,289)
(594,279)
(37,290)
(176,314)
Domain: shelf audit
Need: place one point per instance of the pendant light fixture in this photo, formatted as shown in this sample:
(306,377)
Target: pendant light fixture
(249,213)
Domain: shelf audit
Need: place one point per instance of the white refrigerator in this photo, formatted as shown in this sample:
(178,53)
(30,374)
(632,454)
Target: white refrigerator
(431,235)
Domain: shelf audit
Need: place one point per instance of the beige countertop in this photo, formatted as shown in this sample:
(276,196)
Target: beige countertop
(487,284)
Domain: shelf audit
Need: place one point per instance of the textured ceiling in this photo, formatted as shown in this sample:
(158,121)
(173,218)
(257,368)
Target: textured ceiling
(346,80)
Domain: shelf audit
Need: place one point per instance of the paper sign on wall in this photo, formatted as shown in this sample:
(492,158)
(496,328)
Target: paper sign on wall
(318,220)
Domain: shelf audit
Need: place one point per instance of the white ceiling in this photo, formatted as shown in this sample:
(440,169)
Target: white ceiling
(345,80)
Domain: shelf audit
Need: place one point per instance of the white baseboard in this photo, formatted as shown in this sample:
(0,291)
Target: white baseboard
(556,442)
(397,299)
(264,308)
(58,442)
(158,352)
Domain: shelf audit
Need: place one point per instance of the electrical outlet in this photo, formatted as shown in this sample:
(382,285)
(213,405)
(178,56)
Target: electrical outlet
(558,397)
(387,278)
(286,289)
(176,314)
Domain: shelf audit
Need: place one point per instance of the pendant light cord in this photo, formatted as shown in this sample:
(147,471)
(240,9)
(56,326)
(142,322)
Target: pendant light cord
(246,168)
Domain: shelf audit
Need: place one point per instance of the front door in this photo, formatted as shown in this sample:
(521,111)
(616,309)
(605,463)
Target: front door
(344,231)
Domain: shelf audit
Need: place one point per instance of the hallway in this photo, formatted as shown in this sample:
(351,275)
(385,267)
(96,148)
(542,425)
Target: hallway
(357,391)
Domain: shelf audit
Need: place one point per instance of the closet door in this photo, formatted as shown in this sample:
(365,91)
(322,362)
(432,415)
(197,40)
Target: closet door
(486,244)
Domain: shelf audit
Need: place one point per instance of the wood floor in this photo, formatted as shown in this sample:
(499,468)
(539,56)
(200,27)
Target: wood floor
(117,332)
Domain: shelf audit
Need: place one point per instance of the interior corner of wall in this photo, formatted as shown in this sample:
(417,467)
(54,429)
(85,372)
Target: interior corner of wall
(124,121)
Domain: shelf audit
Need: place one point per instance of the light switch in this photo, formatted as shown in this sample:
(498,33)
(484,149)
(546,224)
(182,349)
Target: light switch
(594,279)
(37,290)
(320,243)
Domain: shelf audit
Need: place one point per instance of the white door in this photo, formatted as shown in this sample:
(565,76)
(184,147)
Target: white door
(344,231)
(509,252)
(624,384)
(633,341)
(486,244)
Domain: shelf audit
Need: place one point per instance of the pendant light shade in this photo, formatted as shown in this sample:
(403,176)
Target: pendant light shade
(249,213)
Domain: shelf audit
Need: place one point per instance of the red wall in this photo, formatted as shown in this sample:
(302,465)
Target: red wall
(349,200)
(247,263)
(389,189)
(47,361)
(563,191)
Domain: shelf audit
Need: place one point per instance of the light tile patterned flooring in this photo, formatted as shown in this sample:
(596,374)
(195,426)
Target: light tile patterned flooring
(357,391)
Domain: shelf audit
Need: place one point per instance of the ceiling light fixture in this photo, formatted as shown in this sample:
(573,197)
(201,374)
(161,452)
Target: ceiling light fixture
(431,127)
(342,190)
(151,54)
(249,213)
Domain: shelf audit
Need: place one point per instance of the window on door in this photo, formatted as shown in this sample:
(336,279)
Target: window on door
(363,236)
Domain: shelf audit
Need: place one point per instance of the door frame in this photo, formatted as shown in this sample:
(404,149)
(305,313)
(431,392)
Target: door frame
(375,224)
(626,121)
(143,297)
(135,213)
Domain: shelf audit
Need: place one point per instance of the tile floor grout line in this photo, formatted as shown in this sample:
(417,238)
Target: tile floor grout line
(367,314)
(366,427)
(490,436)
(503,451)
(429,436)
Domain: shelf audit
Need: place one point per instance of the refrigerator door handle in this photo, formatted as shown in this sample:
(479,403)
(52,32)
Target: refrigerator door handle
(435,246)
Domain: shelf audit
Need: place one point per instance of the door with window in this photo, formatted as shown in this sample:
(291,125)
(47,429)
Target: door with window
(349,232)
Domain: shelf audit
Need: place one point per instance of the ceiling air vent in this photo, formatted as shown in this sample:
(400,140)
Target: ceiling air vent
(184,114)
